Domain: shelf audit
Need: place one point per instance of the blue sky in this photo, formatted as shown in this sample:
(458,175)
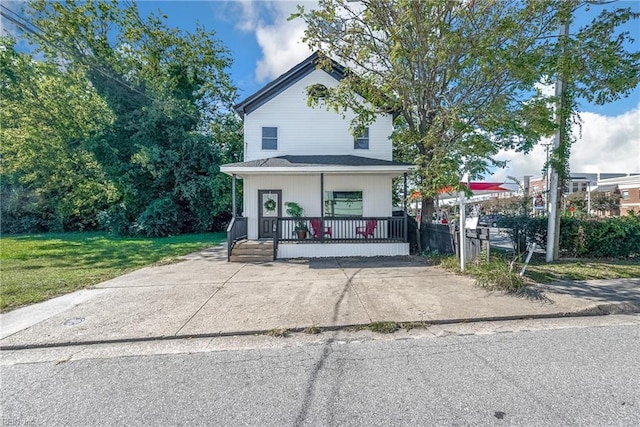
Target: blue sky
(245,27)
(264,44)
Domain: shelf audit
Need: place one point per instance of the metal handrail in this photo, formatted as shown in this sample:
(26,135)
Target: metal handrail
(237,230)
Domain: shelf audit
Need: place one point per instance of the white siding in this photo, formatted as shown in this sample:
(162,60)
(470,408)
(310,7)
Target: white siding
(310,131)
(376,191)
(304,189)
(326,250)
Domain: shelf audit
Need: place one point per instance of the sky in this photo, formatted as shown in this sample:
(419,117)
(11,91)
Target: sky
(265,44)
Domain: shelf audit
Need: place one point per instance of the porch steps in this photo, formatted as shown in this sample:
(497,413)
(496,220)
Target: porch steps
(252,251)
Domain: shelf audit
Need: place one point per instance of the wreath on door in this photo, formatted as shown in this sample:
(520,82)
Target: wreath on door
(270,205)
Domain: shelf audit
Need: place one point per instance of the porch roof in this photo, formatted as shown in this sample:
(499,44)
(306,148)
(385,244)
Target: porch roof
(317,164)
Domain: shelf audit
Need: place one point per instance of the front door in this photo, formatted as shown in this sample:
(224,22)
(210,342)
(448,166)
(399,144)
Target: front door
(269,209)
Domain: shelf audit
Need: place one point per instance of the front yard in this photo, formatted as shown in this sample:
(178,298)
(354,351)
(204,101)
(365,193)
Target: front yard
(587,269)
(34,268)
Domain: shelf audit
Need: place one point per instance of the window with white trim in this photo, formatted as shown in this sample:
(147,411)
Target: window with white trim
(361,141)
(343,203)
(269,138)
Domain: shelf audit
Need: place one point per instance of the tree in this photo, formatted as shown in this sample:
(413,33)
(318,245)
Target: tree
(592,64)
(168,91)
(463,76)
(578,201)
(50,181)
(606,203)
(507,206)
(460,75)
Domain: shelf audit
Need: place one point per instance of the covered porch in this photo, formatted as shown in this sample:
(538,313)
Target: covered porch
(318,237)
(346,203)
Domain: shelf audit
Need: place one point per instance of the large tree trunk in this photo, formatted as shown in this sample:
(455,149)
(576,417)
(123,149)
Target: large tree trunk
(427,210)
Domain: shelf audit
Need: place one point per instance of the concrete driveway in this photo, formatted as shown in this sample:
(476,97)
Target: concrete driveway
(204,295)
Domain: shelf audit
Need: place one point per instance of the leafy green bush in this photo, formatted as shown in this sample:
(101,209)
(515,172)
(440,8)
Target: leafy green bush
(614,237)
(160,219)
(115,220)
(523,229)
(495,275)
(19,211)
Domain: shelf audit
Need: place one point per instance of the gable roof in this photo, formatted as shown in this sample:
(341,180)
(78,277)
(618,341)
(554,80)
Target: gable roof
(285,81)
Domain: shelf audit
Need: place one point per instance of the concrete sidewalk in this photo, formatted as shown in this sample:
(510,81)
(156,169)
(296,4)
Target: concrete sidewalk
(203,295)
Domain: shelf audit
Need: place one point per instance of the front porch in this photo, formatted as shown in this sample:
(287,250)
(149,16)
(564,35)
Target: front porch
(320,237)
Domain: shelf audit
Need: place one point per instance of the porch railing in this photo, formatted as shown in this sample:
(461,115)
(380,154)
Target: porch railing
(237,230)
(311,230)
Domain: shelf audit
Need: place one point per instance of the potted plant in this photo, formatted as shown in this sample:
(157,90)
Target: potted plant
(294,210)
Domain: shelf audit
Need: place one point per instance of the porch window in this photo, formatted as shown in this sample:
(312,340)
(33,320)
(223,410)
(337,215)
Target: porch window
(343,204)
(269,138)
(362,140)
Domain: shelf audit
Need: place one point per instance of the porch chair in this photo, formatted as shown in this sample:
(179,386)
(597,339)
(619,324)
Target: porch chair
(316,229)
(368,230)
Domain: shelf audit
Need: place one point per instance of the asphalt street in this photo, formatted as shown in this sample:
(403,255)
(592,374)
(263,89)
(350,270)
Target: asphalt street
(546,372)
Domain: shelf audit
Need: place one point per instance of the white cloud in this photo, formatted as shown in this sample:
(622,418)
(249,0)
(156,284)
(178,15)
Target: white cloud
(279,39)
(282,48)
(607,144)
(248,16)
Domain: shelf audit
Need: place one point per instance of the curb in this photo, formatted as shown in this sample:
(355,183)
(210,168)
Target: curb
(596,310)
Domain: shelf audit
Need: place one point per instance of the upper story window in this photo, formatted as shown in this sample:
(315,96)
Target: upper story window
(361,141)
(269,138)
(625,194)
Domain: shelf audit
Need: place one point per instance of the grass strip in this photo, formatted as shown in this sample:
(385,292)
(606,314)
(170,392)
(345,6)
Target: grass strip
(496,275)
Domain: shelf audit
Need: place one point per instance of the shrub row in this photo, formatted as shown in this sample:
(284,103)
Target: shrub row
(615,237)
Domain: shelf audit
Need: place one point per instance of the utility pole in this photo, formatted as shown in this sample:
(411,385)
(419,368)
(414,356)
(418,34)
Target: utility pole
(463,220)
(546,177)
(589,198)
(555,195)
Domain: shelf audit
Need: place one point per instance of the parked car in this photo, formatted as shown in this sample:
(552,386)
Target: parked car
(489,220)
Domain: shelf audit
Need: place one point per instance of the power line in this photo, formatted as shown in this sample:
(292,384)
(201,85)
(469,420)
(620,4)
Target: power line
(25,24)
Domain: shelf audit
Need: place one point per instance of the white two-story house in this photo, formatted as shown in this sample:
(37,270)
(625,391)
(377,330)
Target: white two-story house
(309,156)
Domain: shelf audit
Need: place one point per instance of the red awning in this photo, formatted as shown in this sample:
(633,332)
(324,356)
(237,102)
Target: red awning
(478,187)
(487,186)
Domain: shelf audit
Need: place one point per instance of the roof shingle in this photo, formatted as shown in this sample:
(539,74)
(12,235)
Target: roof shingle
(318,160)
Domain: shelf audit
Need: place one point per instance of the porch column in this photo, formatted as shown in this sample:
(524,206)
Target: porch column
(233,196)
(405,225)
(321,207)
(322,196)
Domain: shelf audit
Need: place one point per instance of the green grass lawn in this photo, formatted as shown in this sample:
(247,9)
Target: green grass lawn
(587,269)
(34,268)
